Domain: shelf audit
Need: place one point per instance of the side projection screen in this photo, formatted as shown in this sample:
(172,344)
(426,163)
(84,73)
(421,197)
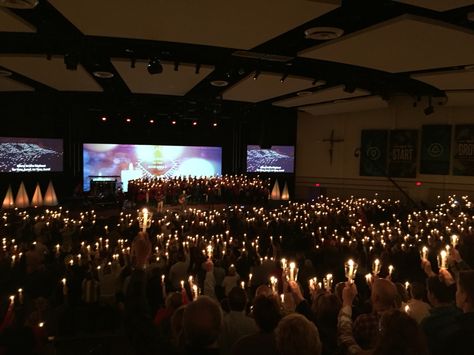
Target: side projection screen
(126,162)
(278,159)
(24,155)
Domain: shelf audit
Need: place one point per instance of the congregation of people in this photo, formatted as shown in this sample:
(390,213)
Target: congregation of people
(330,276)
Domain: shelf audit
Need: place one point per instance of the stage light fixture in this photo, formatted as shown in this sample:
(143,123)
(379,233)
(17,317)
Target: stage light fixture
(151,121)
(71,61)
(195,123)
(429,109)
(103,118)
(173,122)
(154,66)
(128,120)
(283,78)
(214,124)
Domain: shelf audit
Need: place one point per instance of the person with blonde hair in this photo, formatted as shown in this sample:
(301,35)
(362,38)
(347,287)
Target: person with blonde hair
(296,335)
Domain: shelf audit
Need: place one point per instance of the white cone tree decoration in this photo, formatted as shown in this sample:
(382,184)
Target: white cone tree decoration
(22,200)
(8,201)
(37,199)
(285,195)
(50,198)
(275,191)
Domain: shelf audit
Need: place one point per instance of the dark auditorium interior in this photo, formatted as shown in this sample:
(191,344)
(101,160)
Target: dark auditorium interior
(250,177)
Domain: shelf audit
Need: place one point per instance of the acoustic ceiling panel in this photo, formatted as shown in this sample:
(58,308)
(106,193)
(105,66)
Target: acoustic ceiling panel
(169,82)
(448,80)
(344,106)
(325,95)
(406,43)
(267,86)
(241,24)
(438,5)
(9,22)
(7,84)
(52,72)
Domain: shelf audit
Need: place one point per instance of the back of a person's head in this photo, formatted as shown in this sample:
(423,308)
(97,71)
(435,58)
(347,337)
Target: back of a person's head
(202,322)
(174,300)
(418,290)
(328,310)
(263,290)
(384,293)
(400,335)
(266,313)
(466,286)
(438,289)
(181,256)
(296,335)
(237,299)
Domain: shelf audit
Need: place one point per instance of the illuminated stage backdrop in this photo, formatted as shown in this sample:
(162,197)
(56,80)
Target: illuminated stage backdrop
(130,161)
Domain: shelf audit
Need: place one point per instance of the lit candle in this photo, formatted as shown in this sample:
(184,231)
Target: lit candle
(351,269)
(242,285)
(292,271)
(368,279)
(454,240)
(407,285)
(424,253)
(145,219)
(390,270)
(12,300)
(407,309)
(376,267)
(63,281)
(273,282)
(328,282)
(442,258)
(182,285)
(250,279)
(20,295)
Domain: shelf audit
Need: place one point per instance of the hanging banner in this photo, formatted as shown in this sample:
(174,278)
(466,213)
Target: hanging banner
(463,162)
(373,153)
(435,149)
(402,153)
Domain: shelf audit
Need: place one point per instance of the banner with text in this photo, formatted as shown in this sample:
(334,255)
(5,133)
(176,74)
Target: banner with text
(435,149)
(402,153)
(373,153)
(463,162)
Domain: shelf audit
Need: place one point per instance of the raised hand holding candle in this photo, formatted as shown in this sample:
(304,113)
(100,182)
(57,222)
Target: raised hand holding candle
(328,282)
(63,281)
(273,283)
(292,271)
(368,279)
(20,295)
(350,269)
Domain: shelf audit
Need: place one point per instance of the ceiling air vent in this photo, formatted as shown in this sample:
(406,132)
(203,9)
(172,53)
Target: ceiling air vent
(19,4)
(323,33)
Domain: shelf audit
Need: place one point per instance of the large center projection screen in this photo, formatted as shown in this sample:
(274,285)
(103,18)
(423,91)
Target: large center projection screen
(130,161)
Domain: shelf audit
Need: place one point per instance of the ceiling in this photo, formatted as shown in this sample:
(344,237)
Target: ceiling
(217,56)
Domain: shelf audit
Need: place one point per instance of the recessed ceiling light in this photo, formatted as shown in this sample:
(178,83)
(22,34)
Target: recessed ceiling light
(219,83)
(19,4)
(103,74)
(323,33)
(304,93)
(5,72)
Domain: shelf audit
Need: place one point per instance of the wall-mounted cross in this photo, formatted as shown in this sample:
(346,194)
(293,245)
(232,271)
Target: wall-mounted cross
(331,140)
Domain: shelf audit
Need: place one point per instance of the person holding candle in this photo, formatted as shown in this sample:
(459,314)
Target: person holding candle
(236,323)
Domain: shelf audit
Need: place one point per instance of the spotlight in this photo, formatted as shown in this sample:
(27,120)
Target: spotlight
(103,118)
(256,75)
(128,120)
(173,122)
(283,78)
(195,123)
(152,121)
(198,67)
(214,124)
(154,67)
(429,109)
(71,61)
